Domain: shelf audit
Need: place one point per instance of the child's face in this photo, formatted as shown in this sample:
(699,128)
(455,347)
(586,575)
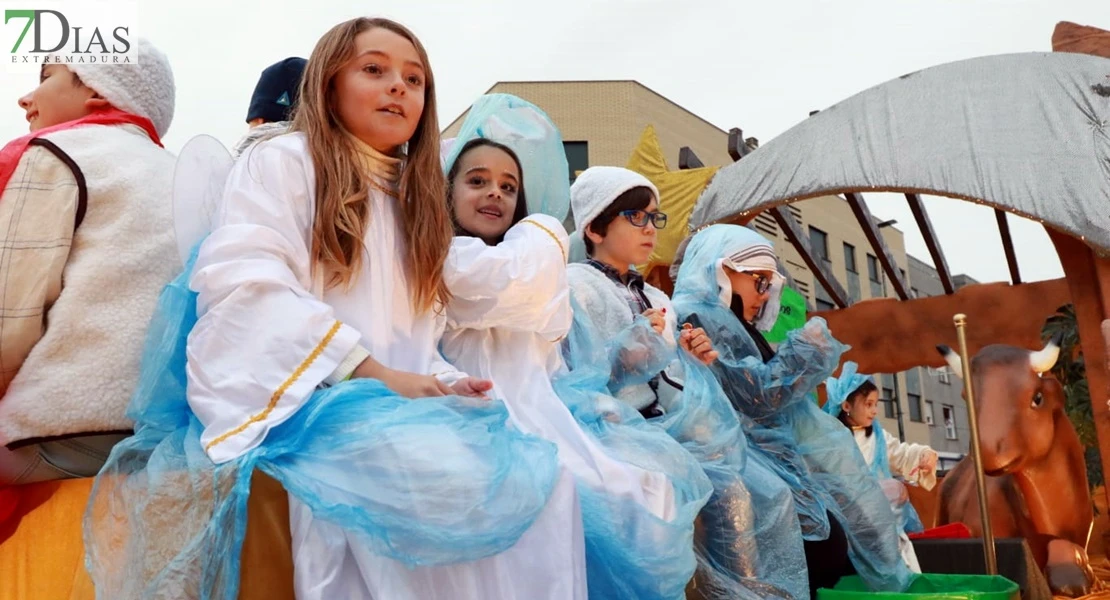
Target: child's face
(753,287)
(626,244)
(484,192)
(862,411)
(380,92)
(58,98)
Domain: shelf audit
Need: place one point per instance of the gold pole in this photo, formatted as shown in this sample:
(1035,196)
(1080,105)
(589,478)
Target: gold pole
(976,454)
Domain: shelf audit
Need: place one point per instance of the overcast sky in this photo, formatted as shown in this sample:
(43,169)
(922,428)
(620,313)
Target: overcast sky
(761,66)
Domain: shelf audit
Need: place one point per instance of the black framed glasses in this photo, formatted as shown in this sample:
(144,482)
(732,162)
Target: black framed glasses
(640,218)
(762,282)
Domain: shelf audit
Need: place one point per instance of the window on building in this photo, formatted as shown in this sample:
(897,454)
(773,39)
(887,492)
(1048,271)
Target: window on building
(915,407)
(903,273)
(889,401)
(823,305)
(949,415)
(943,376)
(873,268)
(850,258)
(914,293)
(929,413)
(578,157)
(819,243)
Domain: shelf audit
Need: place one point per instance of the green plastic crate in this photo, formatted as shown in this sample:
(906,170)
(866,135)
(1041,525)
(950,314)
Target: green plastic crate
(930,586)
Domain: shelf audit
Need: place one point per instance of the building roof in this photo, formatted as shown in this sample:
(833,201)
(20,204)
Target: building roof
(631,82)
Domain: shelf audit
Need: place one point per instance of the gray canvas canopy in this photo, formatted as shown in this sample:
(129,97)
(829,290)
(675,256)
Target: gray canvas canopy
(1024,133)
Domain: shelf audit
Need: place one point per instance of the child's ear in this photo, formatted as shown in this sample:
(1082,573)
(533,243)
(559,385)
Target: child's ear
(846,406)
(96,103)
(593,237)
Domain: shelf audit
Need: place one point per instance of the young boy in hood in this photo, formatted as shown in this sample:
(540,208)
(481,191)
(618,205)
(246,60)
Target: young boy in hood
(87,245)
(616,212)
(275,96)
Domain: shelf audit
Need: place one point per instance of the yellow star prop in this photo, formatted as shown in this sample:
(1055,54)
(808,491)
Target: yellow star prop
(678,191)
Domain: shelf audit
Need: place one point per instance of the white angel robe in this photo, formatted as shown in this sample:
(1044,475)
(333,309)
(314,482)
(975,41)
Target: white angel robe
(261,312)
(509,310)
(903,458)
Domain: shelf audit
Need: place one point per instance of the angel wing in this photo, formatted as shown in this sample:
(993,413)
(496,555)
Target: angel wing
(198,184)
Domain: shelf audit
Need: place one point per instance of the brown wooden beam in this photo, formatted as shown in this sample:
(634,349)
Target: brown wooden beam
(1008,245)
(890,336)
(925,225)
(688,160)
(871,230)
(820,270)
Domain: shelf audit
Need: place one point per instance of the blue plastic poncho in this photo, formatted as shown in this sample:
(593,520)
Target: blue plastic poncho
(426,482)
(748,545)
(838,390)
(631,553)
(813,452)
(528,130)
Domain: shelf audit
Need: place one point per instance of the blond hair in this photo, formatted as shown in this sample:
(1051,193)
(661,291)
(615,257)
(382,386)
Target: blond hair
(342,186)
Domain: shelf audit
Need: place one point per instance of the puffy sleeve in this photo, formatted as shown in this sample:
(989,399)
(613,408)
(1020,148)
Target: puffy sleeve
(262,342)
(763,390)
(904,458)
(519,284)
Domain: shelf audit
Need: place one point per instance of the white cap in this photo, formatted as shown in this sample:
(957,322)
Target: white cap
(597,187)
(144,88)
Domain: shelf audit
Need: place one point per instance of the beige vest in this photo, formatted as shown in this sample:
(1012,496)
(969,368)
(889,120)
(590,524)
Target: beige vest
(80,376)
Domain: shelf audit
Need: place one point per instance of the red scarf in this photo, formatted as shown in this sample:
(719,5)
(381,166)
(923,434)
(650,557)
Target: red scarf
(13,151)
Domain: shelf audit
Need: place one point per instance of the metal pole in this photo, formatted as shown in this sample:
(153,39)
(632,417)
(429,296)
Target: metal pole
(976,453)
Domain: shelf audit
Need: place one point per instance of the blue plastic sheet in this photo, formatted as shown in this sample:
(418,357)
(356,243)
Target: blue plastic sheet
(528,130)
(426,482)
(838,389)
(749,545)
(810,450)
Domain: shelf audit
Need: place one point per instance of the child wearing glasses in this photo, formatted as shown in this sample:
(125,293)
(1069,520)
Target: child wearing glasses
(616,212)
(727,280)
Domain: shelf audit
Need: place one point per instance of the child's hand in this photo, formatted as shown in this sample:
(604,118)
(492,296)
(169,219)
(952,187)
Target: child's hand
(655,317)
(472,387)
(697,343)
(412,385)
(409,385)
(928,462)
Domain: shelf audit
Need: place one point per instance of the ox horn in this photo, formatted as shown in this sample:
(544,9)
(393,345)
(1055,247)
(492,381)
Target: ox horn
(1043,360)
(953,360)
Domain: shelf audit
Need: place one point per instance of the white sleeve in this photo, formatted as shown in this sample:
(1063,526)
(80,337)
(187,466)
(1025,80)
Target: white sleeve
(441,369)
(262,342)
(904,458)
(519,284)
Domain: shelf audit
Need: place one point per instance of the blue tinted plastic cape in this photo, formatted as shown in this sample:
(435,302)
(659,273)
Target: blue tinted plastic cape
(526,129)
(631,553)
(839,388)
(810,450)
(426,482)
(749,544)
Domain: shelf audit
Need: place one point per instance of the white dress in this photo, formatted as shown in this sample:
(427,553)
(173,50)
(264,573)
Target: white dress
(903,458)
(510,308)
(262,310)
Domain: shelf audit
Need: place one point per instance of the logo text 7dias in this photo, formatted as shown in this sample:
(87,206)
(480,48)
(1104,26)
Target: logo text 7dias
(42,33)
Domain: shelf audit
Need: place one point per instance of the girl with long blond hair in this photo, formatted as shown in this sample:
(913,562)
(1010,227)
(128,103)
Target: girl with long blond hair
(312,314)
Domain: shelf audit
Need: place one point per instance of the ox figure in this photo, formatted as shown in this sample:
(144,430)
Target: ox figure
(1037,477)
